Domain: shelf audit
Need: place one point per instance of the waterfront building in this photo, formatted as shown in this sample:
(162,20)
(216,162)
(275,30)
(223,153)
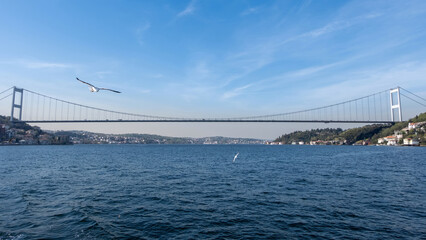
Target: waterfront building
(391,140)
(412,126)
(411,142)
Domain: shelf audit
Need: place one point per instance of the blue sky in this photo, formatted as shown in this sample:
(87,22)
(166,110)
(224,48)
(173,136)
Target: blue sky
(213,58)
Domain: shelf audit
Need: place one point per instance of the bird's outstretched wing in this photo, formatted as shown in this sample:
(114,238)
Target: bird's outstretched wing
(235,157)
(109,90)
(85,82)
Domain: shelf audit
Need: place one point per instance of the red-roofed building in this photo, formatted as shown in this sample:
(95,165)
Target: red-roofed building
(391,140)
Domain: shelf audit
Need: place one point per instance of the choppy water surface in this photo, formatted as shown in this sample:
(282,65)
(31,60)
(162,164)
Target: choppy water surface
(151,192)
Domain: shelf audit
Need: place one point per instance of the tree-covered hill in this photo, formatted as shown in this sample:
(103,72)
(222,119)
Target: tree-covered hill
(368,133)
(326,134)
(354,135)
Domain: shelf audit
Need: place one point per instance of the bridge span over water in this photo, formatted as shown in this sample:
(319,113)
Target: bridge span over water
(380,107)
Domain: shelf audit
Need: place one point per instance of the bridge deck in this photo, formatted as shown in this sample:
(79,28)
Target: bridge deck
(204,121)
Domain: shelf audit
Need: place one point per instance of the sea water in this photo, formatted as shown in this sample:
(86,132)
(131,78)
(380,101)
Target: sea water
(198,192)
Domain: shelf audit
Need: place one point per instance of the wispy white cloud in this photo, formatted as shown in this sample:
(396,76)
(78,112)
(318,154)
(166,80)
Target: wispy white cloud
(364,82)
(331,27)
(140,32)
(47,65)
(194,93)
(339,25)
(371,15)
(309,71)
(198,82)
(200,71)
(254,57)
(236,91)
(36,64)
(249,11)
(334,26)
(303,74)
(259,55)
(355,83)
(292,76)
(190,8)
(247,61)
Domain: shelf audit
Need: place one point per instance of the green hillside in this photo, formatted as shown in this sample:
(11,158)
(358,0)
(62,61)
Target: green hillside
(368,134)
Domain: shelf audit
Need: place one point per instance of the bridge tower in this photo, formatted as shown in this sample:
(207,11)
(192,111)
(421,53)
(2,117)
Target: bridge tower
(16,104)
(395,103)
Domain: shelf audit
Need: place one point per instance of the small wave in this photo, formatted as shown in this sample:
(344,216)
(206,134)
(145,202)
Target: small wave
(11,236)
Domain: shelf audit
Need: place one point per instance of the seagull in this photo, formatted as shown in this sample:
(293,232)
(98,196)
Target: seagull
(235,157)
(96,89)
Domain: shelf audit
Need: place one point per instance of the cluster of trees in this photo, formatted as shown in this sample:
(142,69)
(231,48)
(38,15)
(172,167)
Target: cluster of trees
(354,135)
(326,134)
(366,133)
(19,125)
(417,133)
(17,132)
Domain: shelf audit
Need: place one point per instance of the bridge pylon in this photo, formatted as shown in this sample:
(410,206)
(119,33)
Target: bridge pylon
(395,103)
(17,105)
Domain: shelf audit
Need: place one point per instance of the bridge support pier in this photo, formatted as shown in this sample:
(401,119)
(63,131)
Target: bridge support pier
(17,105)
(395,96)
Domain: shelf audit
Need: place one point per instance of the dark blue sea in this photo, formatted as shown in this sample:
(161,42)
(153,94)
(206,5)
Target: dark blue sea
(198,192)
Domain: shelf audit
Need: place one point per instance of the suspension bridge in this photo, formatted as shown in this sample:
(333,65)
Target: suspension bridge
(381,107)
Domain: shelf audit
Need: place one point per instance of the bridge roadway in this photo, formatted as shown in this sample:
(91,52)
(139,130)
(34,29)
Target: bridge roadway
(364,110)
(205,121)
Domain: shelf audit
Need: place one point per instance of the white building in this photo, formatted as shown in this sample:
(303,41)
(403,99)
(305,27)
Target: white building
(411,142)
(391,140)
(412,126)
